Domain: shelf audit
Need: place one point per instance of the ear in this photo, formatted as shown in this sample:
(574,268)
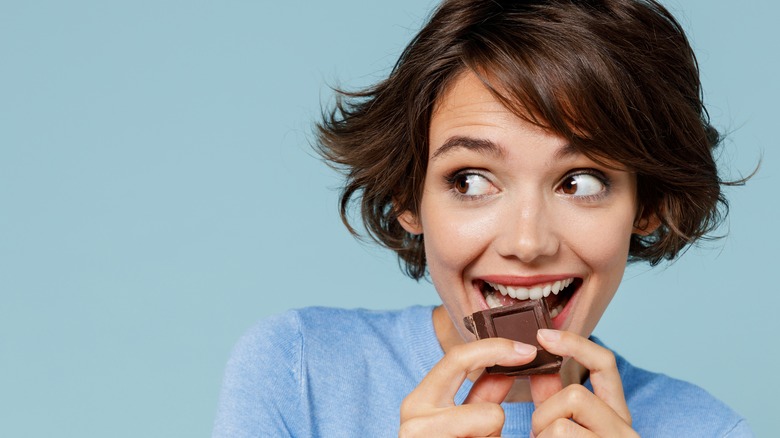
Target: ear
(646,225)
(410,222)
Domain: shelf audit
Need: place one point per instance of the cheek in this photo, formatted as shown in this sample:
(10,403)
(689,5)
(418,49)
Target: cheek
(603,248)
(601,241)
(602,244)
(606,247)
(601,236)
(452,242)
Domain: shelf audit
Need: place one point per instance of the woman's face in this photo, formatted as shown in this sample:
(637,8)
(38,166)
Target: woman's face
(511,212)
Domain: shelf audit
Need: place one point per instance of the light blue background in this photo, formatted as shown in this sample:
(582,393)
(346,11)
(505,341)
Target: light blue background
(158,195)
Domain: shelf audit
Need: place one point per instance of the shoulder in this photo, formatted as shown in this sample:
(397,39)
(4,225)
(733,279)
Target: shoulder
(278,334)
(285,333)
(664,406)
(319,361)
(295,333)
(287,337)
(345,327)
(359,341)
(344,321)
(262,380)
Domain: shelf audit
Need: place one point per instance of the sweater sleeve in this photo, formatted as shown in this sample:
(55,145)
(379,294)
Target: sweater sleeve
(262,390)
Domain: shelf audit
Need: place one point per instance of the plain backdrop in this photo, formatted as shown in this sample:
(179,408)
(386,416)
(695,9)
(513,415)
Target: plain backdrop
(158,195)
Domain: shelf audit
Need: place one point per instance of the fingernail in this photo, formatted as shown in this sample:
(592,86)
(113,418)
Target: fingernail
(550,335)
(524,349)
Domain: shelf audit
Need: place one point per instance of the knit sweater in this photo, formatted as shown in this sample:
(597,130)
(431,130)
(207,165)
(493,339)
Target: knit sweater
(323,372)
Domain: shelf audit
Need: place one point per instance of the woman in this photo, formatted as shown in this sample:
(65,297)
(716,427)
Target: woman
(518,150)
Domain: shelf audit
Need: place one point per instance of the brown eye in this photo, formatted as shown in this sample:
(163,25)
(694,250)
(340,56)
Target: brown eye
(472,185)
(582,185)
(462,184)
(569,186)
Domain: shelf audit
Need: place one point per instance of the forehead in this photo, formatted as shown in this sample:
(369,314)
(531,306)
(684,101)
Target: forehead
(467,104)
(467,97)
(469,115)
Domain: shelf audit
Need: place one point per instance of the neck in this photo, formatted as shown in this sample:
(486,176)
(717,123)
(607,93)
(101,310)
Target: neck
(448,336)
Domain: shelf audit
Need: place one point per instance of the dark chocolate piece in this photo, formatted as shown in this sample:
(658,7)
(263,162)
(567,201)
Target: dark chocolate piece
(518,322)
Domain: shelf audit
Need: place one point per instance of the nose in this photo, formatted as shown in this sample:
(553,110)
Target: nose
(528,231)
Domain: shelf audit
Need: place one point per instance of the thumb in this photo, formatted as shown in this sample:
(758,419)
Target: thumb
(543,386)
(490,388)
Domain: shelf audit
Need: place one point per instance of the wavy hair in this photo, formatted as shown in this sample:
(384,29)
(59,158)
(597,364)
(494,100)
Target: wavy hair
(616,78)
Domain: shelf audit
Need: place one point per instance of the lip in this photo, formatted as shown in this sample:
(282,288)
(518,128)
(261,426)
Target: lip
(522,281)
(528,281)
(561,318)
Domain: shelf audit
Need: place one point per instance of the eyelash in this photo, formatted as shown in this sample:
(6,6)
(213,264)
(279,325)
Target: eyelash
(594,173)
(453,177)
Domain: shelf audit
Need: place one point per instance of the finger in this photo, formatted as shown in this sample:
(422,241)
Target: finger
(604,375)
(490,388)
(472,420)
(438,388)
(582,406)
(565,428)
(543,386)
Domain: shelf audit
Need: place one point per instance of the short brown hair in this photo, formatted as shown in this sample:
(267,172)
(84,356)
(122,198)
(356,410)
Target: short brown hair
(616,78)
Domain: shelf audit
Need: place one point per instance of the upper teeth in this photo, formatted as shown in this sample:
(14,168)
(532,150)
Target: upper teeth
(534,293)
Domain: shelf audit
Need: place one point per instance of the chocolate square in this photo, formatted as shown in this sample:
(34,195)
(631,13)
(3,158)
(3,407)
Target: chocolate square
(518,322)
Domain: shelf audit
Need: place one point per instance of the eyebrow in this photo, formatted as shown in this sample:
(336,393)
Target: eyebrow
(482,146)
(566,151)
(487,147)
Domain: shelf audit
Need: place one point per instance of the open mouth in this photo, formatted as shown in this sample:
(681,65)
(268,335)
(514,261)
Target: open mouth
(557,293)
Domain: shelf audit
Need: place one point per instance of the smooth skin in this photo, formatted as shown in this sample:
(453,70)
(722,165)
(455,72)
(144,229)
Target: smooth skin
(510,202)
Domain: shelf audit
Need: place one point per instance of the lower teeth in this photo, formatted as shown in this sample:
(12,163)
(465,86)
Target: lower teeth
(492,300)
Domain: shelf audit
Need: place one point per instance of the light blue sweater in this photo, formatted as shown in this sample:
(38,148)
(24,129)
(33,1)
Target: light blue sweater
(320,372)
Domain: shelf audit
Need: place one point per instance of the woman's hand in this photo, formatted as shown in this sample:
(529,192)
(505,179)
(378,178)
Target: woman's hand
(601,413)
(430,409)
